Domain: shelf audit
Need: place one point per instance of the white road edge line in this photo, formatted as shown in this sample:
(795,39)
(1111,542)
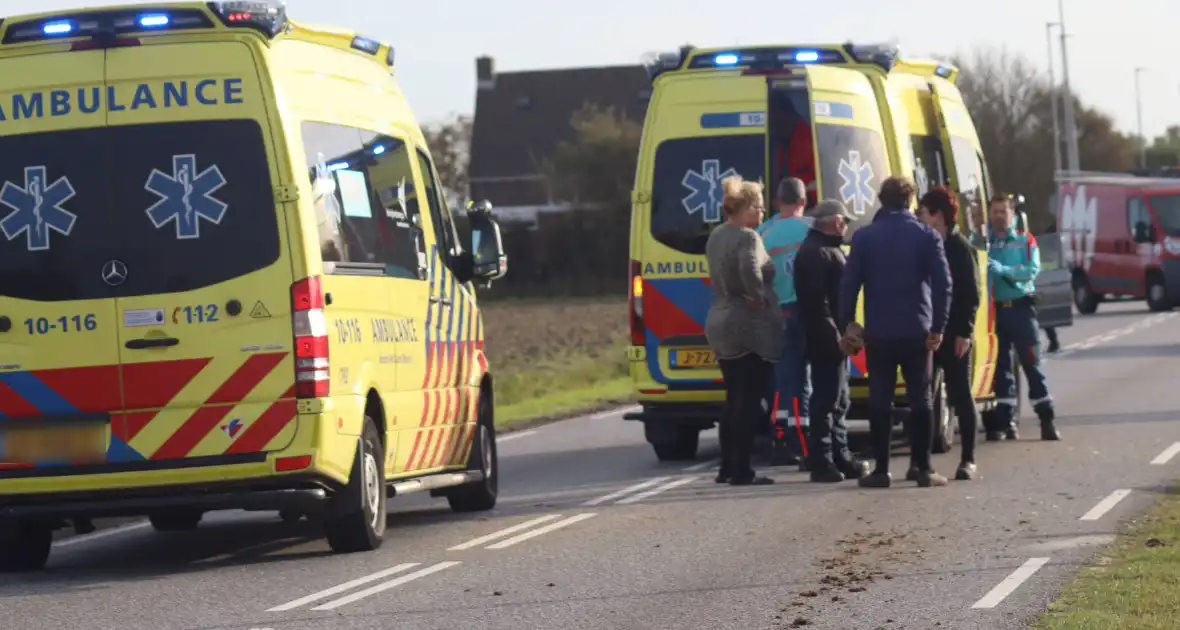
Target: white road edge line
(347,586)
(625,491)
(654,491)
(514,435)
(577,518)
(1011,583)
(1105,505)
(122,529)
(380,588)
(1167,455)
(504,532)
(703,465)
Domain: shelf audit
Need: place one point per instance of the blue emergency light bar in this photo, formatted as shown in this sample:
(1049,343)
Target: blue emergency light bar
(268,18)
(766,58)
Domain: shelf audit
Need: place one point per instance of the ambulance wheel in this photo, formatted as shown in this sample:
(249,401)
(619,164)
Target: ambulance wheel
(356,517)
(176,520)
(1157,294)
(25,547)
(480,496)
(672,443)
(944,420)
(290,516)
(1084,297)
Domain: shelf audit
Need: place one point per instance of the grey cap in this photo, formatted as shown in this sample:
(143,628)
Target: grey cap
(832,208)
(791,191)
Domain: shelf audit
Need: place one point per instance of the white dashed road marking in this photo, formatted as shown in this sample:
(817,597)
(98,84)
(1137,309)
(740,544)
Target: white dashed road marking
(381,588)
(1167,455)
(347,586)
(504,532)
(657,490)
(1105,505)
(1111,335)
(626,491)
(1011,583)
(709,465)
(577,518)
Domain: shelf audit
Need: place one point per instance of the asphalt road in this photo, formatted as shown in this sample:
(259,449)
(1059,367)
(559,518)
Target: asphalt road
(592,532)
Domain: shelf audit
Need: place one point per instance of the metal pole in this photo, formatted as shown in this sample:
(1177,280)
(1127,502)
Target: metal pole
(1139,113)
(1071,127)
(1049,26)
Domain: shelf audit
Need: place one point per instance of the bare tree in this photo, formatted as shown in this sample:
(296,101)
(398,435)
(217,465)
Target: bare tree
(450,146)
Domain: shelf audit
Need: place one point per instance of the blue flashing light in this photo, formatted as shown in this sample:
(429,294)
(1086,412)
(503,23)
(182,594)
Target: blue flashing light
(379,149)
(725,59)
(153,20)
(806,56)
(60,27)
(338,166)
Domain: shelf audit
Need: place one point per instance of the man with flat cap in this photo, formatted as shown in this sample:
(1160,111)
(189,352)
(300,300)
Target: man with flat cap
(819,267)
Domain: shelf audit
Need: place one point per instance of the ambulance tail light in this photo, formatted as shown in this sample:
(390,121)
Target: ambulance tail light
(310,328)
(635,303)
(268,18)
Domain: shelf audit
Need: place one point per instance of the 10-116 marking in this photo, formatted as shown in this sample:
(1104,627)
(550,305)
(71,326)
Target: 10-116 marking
(76,323)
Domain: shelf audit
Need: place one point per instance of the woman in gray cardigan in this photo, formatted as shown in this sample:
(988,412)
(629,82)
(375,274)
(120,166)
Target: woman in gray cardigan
(743,327)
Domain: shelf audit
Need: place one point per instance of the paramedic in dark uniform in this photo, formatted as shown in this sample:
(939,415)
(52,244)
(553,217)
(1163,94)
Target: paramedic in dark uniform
(1013,264)
(901,264)
(939,209)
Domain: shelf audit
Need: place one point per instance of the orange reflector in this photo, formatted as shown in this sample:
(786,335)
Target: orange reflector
(287,464)
(653,391)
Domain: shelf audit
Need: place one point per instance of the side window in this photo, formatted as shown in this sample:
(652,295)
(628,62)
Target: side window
(852,165)
(929,164)
(1138,220)
(969,171)
(360,187)
(440,216)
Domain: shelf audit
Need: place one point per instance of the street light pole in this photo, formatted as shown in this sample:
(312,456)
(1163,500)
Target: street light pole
(1139,114)
(1071,127)
(1049,26)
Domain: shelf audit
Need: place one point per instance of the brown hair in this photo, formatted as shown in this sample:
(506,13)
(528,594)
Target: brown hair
(739,194)
(896,192)
(1002,198)
(941,201)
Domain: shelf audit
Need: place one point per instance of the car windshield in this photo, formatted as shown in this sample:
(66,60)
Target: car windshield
(1167,212)
(181,205)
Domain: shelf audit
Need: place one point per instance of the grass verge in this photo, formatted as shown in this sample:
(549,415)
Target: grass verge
(1136,583)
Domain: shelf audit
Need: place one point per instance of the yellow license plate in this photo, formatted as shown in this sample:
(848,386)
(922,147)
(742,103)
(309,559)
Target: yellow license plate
(64,444)
(693,359)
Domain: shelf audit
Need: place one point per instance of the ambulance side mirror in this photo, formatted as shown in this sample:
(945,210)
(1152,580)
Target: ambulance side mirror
(487,258)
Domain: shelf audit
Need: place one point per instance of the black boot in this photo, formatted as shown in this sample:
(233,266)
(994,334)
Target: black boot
(911,474)
(1010,433)
(966,471)
(783,452)
(853,468)
(826,472)
(876,480)
(1049,430)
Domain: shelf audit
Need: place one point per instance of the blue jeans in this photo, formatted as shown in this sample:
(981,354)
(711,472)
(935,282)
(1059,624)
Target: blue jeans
(792,376)
(1017,328)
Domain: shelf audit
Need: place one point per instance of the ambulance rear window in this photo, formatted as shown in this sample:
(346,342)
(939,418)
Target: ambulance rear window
(178,207)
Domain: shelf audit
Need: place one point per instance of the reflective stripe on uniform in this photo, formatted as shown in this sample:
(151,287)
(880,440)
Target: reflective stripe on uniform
(1041,400)
(1007,402)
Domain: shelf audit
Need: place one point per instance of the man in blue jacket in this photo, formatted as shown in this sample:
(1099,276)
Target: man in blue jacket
(1014,261)
(901,264)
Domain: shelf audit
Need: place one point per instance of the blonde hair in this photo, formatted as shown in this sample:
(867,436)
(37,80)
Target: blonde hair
(739,194)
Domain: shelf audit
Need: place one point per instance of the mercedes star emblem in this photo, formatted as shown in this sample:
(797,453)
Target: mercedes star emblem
(114,272)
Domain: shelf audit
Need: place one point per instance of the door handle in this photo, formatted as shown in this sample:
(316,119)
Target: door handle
(143,344)
(445,301)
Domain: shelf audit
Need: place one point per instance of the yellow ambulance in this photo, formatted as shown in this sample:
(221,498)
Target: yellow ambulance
(229,279)
(842,118)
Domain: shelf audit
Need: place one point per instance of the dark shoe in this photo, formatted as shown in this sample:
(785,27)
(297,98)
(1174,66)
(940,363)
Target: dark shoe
(930,479)
(966,472)
(994,436)
(912,473)
(827,474)
(1011,433)
(1049,431)
(804,466)
(756,480)
(1054,347)
(721,478)
(876,480)
(853,469)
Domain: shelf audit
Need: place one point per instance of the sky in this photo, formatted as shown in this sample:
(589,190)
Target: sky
(437,42)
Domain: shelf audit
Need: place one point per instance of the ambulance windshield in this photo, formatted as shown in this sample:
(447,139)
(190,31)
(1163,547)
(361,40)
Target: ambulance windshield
(172,207)
(1167,212)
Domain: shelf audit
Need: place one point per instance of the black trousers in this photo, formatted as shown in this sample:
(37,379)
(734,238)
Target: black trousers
(956,374)
(827,441)
(745,391)
(884,357)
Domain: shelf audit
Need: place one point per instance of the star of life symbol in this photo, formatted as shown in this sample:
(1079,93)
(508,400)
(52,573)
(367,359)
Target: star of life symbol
(856,189)
(36,208)
(186,196)
(706,194)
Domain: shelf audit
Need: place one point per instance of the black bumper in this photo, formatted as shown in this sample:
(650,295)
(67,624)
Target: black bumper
(304,494)
(703,415)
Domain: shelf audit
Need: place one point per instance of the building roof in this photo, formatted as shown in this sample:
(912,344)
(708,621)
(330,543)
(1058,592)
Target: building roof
(520,117)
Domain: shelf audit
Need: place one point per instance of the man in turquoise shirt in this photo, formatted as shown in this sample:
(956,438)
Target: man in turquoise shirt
(1013,264)
(782,236)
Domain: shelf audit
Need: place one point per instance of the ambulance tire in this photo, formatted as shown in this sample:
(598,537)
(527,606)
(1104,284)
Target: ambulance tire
(944,419)
(176,520)
(1157,294)
(356,516)
(26,548)
(673,444)
(1084,298)
(480,496)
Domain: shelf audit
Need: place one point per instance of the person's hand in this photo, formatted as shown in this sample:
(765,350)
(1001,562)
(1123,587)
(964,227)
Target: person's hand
(753,302)
(994,265)
(933,340)
(962,345)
